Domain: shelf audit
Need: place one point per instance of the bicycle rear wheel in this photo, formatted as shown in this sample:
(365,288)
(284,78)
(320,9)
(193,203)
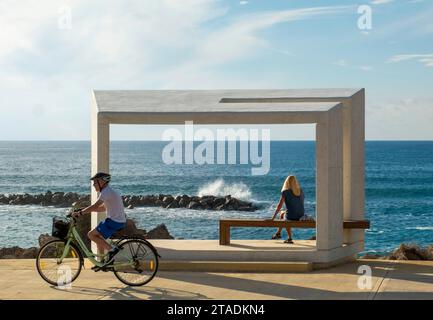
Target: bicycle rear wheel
(52,270)
(137,262)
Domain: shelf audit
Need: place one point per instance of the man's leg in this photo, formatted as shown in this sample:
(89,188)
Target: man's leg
(96,237)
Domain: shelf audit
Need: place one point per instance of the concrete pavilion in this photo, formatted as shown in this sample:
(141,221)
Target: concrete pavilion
(339,118)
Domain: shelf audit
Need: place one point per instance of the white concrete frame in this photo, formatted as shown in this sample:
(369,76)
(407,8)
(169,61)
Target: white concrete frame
(337,113)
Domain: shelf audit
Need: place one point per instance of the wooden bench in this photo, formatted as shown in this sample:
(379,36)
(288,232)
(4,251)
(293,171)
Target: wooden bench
(226,224)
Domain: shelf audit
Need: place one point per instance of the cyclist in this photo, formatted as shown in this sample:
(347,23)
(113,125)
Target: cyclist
(111,202)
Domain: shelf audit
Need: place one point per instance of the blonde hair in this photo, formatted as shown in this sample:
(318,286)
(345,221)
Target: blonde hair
(291,183)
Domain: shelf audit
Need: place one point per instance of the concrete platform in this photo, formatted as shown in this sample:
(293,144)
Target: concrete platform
(390,280)
(258,251)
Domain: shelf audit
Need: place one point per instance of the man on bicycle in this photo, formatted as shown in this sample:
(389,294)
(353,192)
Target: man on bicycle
(111,202)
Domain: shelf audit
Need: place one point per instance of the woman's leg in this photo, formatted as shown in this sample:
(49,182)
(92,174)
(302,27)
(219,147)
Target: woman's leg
(289,232)
(278,233)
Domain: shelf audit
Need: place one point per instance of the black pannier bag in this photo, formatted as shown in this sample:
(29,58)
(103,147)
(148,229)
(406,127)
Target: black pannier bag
(60,228)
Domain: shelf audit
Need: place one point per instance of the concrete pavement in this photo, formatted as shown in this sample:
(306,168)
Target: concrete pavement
(390,280)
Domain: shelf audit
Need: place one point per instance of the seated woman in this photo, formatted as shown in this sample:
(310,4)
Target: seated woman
(293,196)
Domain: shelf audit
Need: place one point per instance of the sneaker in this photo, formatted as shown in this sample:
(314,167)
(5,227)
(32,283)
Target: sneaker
(288,241)
(276,236)
(110,256)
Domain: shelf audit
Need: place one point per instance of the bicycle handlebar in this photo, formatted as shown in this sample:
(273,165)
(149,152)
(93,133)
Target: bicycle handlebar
(72,211)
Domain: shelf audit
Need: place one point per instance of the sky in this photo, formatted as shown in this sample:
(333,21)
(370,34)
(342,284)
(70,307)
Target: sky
(53,53)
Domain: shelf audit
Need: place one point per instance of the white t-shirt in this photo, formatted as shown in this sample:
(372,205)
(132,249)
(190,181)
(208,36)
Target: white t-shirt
(114,204)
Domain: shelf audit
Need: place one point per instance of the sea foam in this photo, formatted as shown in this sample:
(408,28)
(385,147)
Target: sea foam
(220,188)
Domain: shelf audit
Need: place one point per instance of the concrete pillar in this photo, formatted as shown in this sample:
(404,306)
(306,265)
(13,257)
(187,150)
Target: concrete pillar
(354,164)
(329,180)
(100,145)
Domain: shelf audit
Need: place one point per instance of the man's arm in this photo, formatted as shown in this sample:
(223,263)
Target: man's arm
(101,208)
(98,206)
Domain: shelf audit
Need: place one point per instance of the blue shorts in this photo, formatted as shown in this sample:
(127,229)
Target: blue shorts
(108,227)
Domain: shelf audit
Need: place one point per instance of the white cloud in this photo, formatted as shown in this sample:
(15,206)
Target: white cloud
(48,73)
(407,118)
(238,40)
(340,63)
(243,3)
(345,64)
(400,118)
(426,59)
(366,68)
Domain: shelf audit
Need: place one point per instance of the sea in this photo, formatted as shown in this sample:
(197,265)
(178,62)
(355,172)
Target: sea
(399,187)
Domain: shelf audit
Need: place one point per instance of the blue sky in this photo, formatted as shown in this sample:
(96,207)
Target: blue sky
(53,53)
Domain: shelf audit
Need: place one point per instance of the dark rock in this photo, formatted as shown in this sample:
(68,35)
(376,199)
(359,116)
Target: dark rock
(206,204)
(173,204)
(194,205)
(148,200)
(70,197)
(183,202)
(57,198)
(219,201)
(125,200)
(160,232)
(410,252)
(44,238)
(47,196)
(130,206)
(167,199)
(4,199)
(18,253)
(9,253)
(130,229)
(30,253)
(135,200)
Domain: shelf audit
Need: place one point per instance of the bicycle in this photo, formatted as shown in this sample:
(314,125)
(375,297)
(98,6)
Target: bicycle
(59,261)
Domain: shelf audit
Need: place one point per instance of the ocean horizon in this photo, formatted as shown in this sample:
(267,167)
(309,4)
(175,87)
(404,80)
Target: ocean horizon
(399,187)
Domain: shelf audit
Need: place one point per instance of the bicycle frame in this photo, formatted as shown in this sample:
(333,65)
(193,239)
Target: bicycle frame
(74,235)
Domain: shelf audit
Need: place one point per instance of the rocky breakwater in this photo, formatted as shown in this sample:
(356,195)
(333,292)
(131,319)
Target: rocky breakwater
(62,199)
(190,202)
(405,252)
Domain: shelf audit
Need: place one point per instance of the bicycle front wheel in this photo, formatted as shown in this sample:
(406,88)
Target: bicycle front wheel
(136,263)
(55,271)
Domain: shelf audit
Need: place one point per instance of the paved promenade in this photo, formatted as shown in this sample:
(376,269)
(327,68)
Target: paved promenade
(390,280)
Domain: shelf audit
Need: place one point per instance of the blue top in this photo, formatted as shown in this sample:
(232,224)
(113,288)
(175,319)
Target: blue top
(294,205)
